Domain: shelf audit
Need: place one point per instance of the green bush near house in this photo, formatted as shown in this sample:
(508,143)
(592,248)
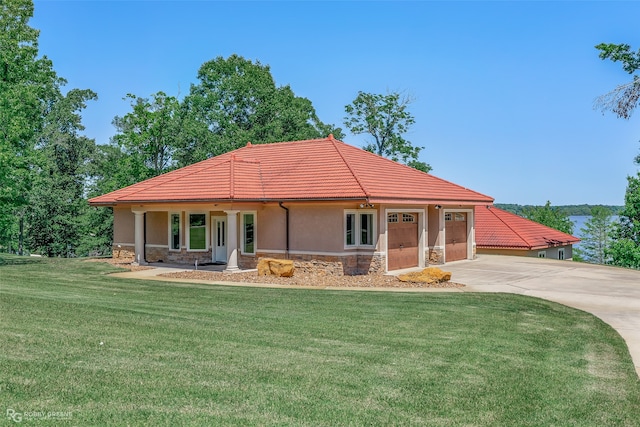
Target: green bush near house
(110,351)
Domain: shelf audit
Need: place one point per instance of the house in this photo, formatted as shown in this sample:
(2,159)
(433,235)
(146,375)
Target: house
(505,233)
(322,203)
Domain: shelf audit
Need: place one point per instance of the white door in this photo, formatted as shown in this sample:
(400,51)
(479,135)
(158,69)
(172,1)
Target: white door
(219,239)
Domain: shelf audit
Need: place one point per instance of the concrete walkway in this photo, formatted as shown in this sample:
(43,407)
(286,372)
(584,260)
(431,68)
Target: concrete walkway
(612,294)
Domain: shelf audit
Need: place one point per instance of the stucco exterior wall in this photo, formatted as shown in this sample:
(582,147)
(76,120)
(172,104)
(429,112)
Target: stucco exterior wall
(318,228)
(433,227)
(123,226)
(551,253)
(272,228)
(157,228)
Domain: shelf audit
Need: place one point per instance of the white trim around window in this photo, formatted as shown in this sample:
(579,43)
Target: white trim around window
(248,232)
(175,234)
(194,233)
(360,228)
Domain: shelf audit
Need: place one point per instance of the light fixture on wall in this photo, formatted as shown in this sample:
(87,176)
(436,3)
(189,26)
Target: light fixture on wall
(366,205)
(438,206)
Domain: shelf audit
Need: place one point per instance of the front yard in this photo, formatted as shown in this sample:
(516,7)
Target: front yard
(98,350)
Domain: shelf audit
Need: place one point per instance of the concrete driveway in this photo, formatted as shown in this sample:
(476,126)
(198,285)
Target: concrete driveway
(612,294)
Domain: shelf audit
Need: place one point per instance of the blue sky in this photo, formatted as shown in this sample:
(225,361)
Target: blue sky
(503,90)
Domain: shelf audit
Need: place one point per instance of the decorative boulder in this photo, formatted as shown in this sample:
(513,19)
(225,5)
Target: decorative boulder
(275,267)
(428,275)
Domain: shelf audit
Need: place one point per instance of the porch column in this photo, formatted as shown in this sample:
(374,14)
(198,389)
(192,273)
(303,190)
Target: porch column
(232,241)
(139,237)
(423,238)
(471,220)
(439,241)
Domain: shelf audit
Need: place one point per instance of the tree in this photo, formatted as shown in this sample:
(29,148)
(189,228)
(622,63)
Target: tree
(43,158)
(57,204)
(625,98)
(28,86)
(596,237)
(624,253)
(108,171)
(386,118)
(149,134)
(625,248)
(145,146)
(550,216)
(237,101)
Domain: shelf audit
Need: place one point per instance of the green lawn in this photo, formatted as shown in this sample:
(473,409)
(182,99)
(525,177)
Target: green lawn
(176,354)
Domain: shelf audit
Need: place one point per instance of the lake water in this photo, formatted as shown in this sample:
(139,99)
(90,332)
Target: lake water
(579,222)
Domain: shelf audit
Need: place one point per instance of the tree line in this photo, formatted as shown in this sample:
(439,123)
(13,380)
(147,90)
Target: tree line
(569,210)
(48,169)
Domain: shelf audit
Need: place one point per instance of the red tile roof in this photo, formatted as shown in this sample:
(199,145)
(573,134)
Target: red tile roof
(320,169)
(496,228)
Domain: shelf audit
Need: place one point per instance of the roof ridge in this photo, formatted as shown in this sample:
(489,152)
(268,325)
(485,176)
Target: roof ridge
(508,226)
(255,162)
(234,158)
(262,145)
(450,182)
(231,175)
(412,169)
(264,192)
(362,187)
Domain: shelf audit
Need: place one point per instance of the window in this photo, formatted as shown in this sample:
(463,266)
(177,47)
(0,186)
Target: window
(366,229)
(221,233)
(408,217)
(198,232)
(542,254)
(359,228)
(392,217)
(561,253)
(175,234)
(448,216)
(350,228)
(249,233)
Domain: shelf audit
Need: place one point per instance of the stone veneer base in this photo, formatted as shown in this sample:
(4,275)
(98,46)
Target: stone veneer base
(348,265)
(436,256)
(358,263)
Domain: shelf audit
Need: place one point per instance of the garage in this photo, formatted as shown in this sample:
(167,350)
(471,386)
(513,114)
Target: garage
(455,236)
(402,246)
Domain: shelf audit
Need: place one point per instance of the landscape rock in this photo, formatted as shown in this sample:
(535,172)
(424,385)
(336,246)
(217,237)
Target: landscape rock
(428,275)
(275,267)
